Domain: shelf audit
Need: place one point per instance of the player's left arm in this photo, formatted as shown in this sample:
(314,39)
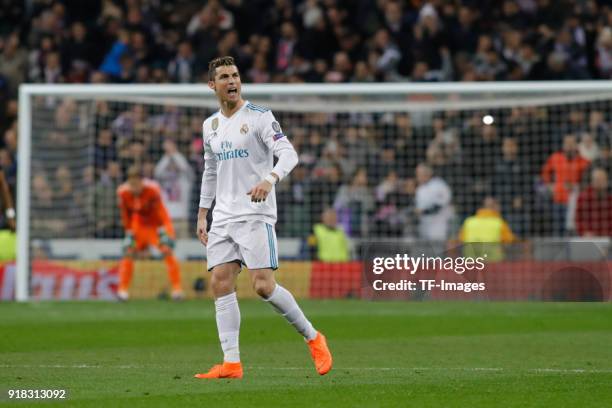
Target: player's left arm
(167,221)
(274,139)
(129,242)
(166,232)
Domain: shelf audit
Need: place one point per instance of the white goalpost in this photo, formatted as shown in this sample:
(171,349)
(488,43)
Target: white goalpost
(359,145)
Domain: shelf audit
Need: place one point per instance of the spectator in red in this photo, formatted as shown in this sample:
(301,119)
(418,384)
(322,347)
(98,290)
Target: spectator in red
(594,209)
(562,173)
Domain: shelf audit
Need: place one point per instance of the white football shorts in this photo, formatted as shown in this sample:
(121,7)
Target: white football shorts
(252,243)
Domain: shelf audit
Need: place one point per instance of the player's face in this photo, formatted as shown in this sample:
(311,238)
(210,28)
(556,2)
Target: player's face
(227,84)
(135,184)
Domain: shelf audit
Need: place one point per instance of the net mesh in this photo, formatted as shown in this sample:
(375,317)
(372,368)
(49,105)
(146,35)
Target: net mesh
(400,167)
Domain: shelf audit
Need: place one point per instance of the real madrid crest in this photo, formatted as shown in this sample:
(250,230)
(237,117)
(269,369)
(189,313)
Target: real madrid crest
(244,129)
(215,123)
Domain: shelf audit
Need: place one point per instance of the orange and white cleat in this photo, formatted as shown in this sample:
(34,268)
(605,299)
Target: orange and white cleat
(177,295)
(321,356)
(123,295)
(225,370)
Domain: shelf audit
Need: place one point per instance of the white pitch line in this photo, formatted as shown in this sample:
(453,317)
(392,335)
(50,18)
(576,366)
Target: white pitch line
(574,370)
(65,366)
(535,370)
(472,369)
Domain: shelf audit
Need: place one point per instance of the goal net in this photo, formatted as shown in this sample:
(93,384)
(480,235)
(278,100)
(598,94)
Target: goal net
(384,168)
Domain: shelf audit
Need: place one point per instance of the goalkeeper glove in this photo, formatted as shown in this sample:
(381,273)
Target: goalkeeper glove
(128,242)
(165,239)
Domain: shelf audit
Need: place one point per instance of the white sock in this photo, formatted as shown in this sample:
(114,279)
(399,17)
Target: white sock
(228,326)
(283,301)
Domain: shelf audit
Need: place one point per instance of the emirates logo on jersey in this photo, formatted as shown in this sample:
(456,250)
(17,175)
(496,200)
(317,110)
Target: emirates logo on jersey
(228,152)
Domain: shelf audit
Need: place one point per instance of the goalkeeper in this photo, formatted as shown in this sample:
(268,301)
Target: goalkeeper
(147,223)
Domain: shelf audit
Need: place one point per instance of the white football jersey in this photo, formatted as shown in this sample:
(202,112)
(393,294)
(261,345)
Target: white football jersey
(238,154)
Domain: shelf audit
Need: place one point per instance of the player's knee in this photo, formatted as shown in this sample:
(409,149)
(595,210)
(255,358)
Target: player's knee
(264,286)
(221,287)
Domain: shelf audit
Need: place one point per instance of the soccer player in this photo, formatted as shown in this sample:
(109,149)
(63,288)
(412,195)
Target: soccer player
(147,223)
(240,141)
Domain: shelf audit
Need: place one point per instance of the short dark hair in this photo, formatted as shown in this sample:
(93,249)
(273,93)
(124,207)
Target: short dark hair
(219,62)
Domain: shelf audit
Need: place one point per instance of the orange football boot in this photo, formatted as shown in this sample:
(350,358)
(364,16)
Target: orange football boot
(320,353)
(225,370)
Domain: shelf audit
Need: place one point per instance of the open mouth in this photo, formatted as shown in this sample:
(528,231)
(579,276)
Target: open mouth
(232,91)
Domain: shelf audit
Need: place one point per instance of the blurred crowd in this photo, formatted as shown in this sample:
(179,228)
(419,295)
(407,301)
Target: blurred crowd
(128,41)
(391,175)
(383,174)
(366,168)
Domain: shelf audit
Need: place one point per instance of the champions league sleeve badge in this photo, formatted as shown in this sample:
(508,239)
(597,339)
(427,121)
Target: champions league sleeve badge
(278,133)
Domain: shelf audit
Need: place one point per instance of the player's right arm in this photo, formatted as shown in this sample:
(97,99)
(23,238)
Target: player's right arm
(202,225)
(126,220)
(208,187)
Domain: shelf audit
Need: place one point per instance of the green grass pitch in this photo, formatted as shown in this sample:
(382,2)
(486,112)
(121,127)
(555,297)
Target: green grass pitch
(144,354)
